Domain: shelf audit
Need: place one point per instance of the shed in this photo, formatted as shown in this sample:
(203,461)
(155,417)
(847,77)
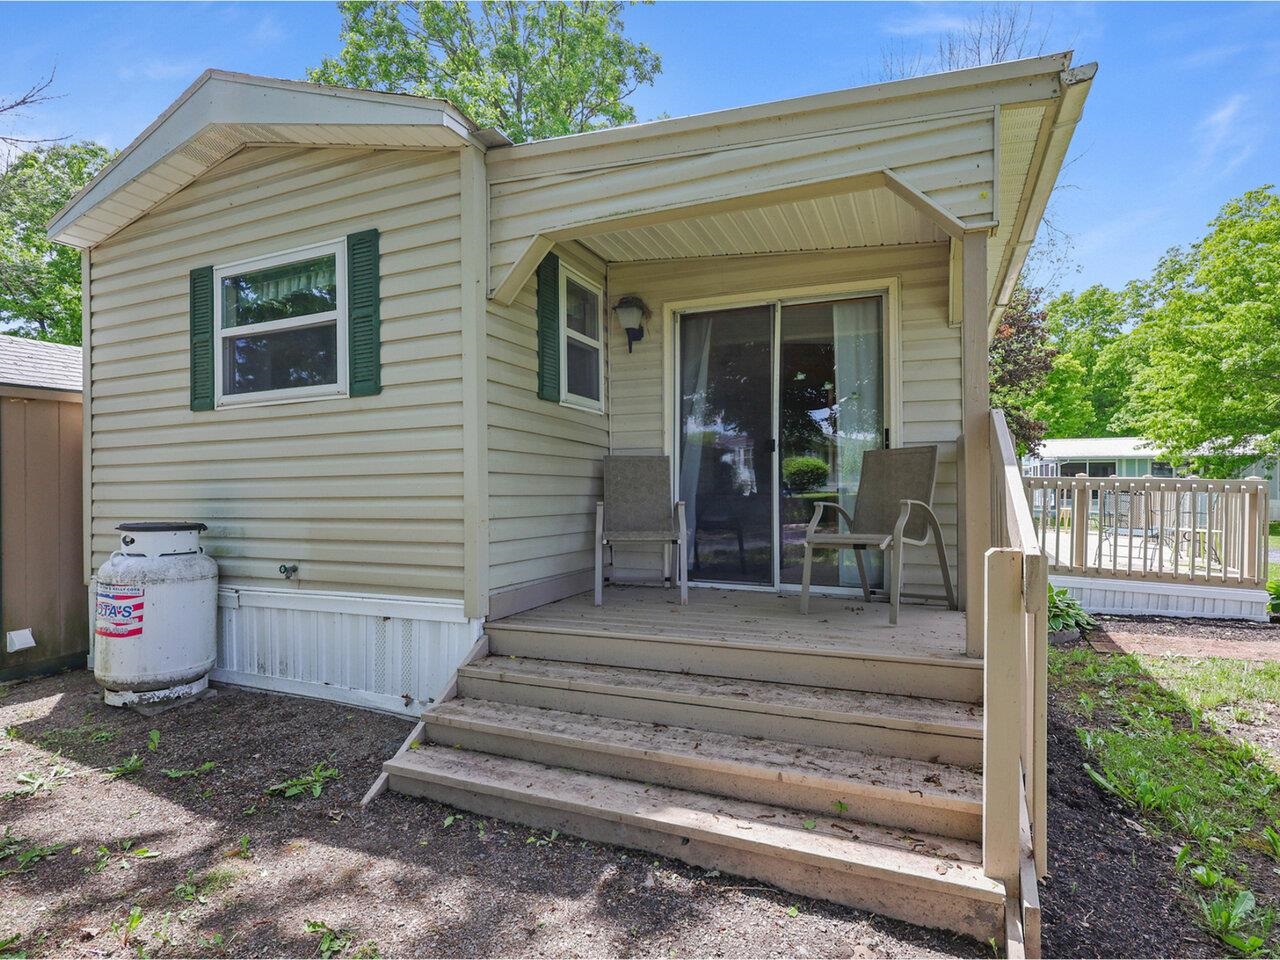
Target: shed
(42,602)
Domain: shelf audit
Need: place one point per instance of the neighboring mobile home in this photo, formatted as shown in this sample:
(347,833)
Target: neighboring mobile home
(43,609)
(1130,457)
(352,332)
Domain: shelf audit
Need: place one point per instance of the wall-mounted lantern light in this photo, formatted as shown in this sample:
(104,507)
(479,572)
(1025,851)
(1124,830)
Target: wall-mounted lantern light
(631,313)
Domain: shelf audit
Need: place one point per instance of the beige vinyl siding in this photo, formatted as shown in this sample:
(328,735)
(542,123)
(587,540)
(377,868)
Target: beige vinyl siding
(365,494)
(929,352)
(949,158)
(544,457)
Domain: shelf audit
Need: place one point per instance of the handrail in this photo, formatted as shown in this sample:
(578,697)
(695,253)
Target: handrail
(1021,527)
(1015,693)
(1170,529)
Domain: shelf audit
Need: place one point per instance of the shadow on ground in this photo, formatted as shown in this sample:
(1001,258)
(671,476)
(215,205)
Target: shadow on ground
(400,877)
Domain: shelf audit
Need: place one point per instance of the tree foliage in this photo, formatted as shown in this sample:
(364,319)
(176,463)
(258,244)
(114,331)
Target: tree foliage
(1021,360)
(40,280)
(1092,378)
(533,70)
(1207,349)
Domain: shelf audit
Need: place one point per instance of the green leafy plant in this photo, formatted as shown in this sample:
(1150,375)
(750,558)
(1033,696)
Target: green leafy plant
(1237,922)
(125,768)
(175,774)
(125,928)
(1066,613)
(242,848)
(7,948)
(153,740)
(1273,591)
(803,474)
(31,782)
(313,781)
(332,942)
(1271,837)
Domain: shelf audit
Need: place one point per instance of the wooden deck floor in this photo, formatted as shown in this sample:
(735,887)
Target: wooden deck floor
(741,616)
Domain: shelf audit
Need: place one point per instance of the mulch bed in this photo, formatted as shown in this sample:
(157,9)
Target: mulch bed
(1187,637)
(1112,891)
(393,874)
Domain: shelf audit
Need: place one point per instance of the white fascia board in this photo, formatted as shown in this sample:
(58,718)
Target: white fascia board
(218,97)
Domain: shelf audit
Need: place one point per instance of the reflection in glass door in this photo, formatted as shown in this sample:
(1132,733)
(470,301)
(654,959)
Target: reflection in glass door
(726,443)
(831,409)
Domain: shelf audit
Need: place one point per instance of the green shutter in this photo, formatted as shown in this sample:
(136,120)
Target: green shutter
(549,328)
(201,314)
(364,337)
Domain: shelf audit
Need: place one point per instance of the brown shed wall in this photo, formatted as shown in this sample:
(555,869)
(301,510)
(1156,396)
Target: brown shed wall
(41,583)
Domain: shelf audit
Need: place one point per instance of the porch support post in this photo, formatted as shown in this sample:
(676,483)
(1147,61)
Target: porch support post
(975,509)
(475,433)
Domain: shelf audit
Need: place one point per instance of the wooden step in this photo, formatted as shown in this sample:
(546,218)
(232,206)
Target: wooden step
(787,660)
(939,731)
(897,792)
(918,878)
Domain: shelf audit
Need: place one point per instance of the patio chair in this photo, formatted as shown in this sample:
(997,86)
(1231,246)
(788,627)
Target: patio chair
(638,508)
(894,507)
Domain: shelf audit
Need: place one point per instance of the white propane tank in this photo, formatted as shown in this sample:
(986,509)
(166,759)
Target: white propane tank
(155,632)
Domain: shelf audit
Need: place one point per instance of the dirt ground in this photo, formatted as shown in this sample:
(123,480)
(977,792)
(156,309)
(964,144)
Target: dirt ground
(1185,637)
(1111,890)
(397,879)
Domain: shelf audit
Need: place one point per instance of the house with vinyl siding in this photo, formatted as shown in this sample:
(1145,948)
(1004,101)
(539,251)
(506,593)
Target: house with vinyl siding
(374,348)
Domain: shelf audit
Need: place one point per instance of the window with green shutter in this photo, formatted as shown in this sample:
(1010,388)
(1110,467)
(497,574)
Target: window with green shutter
(570,311)
(298,325)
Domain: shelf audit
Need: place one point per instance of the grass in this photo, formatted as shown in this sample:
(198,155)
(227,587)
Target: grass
(1148,725)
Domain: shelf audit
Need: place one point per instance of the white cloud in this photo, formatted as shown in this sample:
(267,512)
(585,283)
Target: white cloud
(158,69)
(267,32)
(1224,143)
(926,22)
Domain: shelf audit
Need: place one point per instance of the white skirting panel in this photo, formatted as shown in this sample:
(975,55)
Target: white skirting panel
(1138,597)
(389,653)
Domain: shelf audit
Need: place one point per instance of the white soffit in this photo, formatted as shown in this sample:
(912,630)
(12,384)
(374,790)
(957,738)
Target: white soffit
(863,218)
(221,113)
(1019,134)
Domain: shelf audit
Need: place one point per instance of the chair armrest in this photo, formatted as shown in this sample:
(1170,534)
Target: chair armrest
(930,516)
(817,516)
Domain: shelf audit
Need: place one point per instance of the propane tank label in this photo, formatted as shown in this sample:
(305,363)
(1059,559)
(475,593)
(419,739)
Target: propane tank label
(119,611)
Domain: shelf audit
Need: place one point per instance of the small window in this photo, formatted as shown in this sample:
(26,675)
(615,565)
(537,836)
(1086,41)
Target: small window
(582,342)
(281,325)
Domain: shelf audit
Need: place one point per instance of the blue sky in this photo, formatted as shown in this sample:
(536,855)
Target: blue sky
(1184,113)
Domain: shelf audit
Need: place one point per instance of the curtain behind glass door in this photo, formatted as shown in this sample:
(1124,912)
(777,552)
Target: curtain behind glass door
(726,443)
(831,397)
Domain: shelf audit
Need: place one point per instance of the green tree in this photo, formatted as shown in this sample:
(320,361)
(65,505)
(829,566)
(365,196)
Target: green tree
(40,280)
(1086,326)
(532,70)
(1210,384)
(1063,403)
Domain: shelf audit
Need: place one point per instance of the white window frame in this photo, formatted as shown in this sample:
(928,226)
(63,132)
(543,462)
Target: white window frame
(572,399)
(323,391)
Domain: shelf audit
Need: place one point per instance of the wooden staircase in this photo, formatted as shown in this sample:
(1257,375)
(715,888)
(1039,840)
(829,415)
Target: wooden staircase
(820,770)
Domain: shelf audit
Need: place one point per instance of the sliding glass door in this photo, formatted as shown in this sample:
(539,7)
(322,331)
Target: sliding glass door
(726,443)
(811,375)
(831,410)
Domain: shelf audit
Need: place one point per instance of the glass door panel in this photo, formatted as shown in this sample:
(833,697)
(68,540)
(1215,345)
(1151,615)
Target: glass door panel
(831,409)
(726,443)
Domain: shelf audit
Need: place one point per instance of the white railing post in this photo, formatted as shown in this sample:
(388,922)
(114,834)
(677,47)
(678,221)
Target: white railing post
(1080,521)
(1253,562)
(1004,654)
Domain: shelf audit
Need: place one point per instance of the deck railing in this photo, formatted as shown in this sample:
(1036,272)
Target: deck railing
(1169,529)
(1014,808)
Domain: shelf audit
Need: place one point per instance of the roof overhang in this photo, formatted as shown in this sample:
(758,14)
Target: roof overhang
(222,112)
(992,142)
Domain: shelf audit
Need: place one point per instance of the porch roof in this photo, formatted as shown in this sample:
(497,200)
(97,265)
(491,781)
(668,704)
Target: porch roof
(907,162)
(223,112)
